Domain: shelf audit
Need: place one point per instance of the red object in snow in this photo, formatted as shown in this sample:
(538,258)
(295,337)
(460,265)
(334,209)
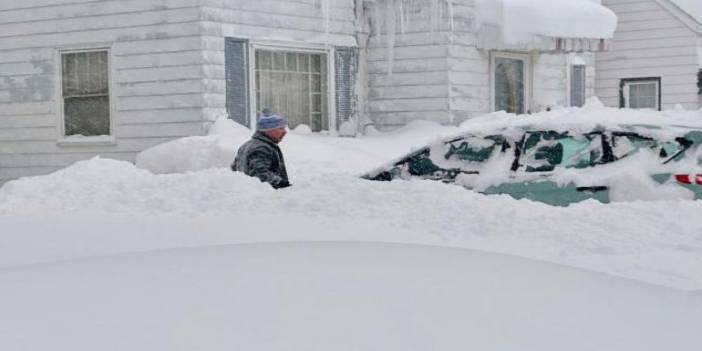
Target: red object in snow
(688,179)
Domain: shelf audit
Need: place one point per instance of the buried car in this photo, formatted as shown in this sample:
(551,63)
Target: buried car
(560,164)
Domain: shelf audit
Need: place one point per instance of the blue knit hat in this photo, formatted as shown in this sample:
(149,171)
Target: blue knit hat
(270,122)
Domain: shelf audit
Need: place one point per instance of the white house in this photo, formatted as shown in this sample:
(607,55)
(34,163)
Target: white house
(80,78)
(655,57)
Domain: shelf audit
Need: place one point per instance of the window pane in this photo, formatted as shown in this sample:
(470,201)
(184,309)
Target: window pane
(304,63)
(85,73)
(291,59)
(85,83)
(577,85)
(263,59)
(89,116)
(291,90)
(509,85)
(472,150)
(643,95)
(316,64)
(279,61)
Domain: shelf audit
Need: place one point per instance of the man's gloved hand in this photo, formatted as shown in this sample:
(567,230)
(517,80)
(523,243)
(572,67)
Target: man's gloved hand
(283,184)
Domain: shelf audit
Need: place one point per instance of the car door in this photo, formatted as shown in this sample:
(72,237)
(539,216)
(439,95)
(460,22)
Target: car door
(540,153)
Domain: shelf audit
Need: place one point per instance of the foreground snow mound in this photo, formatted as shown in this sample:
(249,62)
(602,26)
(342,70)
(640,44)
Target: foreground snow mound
(334,296)
(657,242)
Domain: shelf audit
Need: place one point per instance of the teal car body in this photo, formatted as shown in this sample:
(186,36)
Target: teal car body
(535,157)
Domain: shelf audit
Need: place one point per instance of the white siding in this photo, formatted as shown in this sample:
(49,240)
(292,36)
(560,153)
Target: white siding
(295,23)
(157,69)
(408,65)
(650,42)
(469,68)
(552,78)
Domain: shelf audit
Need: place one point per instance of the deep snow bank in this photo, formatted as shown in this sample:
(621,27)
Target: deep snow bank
(658,242)
(318,296)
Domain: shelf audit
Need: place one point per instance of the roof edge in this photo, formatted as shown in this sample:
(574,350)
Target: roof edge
(682,15)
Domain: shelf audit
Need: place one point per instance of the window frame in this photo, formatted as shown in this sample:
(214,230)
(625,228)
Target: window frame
(528,76)
(76,140)
(624,101)
(299,48)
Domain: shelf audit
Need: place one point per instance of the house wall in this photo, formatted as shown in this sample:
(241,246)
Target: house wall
(430,67)
(157,71)
(552,78)
(469,75)
(314,23)
(650,42)
(408,63)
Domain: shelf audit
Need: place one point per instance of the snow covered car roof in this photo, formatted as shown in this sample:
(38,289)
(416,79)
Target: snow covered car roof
(662,125)
(335,296)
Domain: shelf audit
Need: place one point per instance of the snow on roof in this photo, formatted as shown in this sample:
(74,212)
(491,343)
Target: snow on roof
(692,7)
(522,20)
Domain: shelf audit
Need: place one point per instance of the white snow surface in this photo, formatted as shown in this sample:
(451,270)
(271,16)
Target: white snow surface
(335,296)
(179,253)
(520,20)
(182,194)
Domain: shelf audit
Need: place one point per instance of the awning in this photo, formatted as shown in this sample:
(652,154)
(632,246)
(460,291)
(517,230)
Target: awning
(545,25)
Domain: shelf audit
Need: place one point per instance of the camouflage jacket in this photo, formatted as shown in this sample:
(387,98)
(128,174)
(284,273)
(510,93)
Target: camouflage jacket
(260,157)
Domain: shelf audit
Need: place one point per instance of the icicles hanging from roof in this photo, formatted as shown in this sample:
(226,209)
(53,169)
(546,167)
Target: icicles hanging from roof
(390,18)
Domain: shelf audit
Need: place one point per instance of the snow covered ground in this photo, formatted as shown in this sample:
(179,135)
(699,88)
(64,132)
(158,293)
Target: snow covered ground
(336,296)
(101,207)
(104,225)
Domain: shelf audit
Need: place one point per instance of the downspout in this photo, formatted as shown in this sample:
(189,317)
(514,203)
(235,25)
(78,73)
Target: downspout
(362,37)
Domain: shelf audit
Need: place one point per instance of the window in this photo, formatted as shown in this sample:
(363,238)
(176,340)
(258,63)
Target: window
(510,82)
(578,78)
(293,84)
(544,151)
(641,93)
(85,93)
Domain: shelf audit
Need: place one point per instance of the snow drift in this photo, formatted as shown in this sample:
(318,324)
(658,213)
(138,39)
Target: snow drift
(334,296)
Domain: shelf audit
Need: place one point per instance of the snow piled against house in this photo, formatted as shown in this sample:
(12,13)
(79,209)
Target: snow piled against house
(520,20)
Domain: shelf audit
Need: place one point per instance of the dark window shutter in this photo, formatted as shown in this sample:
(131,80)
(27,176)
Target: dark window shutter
(577,85)
(237,76)
(346,65)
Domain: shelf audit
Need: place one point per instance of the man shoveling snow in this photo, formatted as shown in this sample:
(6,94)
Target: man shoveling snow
(261,157)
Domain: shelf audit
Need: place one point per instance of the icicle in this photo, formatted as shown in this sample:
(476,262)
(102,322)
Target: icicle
(390,28)
(402,18)
(450,14)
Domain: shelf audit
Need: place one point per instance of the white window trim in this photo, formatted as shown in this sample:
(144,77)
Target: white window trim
(626,91)
(528,79)
(294,47)
(63,139)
